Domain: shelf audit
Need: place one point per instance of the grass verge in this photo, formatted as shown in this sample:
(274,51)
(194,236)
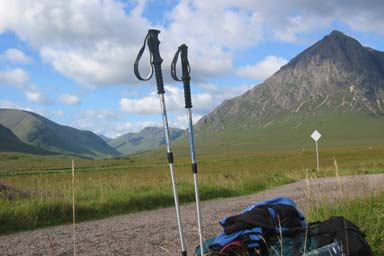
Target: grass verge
(367,212)
(49,201)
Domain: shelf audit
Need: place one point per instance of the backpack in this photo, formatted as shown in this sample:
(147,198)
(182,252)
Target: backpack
(334,236)
(275,227)
(258,221)
(348,235)
(286,246)
(245,233)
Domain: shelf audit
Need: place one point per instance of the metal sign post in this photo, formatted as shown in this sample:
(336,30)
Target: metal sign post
(316,136)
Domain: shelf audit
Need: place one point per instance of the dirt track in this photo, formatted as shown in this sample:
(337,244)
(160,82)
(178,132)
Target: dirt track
(155,232)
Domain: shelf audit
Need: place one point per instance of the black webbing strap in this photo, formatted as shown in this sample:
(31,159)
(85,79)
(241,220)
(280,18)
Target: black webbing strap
(173,66)
(136,65)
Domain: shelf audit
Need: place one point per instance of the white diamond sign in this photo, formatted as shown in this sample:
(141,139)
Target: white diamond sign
(315,135)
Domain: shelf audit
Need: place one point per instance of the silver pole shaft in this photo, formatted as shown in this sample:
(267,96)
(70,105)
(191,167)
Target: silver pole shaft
(197,197)
(191,139)
(171,168)
(317,157)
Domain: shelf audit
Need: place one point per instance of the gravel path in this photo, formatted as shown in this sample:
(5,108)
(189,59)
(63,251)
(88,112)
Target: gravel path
(155,232)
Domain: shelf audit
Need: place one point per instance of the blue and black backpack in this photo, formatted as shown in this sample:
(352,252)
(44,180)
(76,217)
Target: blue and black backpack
(276,227)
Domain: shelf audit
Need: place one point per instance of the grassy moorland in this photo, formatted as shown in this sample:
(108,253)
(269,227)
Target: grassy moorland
(38,189)
(367,212)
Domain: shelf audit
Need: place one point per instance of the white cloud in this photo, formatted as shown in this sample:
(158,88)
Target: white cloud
(20,79)
(102,114)
(33,96)
(295,19)
(104,64)
(291,21)
(202,102)
(208,87)
(146,105)
(124,128)
(182,120)
(107,122)
(65,23)
(92,42)
(96,42)
(100,121)
(9,104)
(221,24)
(263,69)
(16,56)
(174,99)
(59,113)
(84,40)
(292,28)
(15,77)
(70,99)
(213,34)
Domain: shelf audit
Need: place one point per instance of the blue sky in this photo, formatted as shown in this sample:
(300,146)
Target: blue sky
(72,60)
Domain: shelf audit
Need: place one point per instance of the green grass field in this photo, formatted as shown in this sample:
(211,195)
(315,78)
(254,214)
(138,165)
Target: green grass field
(39,188)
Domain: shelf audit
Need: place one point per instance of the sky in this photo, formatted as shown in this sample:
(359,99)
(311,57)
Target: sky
(72,60)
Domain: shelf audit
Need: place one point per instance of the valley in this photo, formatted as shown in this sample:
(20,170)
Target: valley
(247,144)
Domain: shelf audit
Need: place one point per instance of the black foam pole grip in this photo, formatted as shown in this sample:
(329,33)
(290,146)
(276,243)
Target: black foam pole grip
(153,44)
(186,76)
(187,94)
(159,79)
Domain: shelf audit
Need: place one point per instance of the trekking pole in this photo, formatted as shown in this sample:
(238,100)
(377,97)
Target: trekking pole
(155,59)
(186,78)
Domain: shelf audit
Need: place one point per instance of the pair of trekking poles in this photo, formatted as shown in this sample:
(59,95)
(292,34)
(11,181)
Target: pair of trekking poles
(155,60)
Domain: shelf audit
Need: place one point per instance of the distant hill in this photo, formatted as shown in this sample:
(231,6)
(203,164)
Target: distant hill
(40,132)
(147,139)
(335,86)
(10,143)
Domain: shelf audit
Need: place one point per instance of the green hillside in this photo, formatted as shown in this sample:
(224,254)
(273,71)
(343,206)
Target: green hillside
(292,132)
(10,143)
(40,132)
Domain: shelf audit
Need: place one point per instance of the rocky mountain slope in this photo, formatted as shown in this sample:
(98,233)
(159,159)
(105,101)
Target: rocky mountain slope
(335,79)
(336,72)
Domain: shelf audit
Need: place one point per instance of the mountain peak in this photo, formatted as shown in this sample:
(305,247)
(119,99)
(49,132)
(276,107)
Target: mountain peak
(339,37)
(337,33)
(336,48)
(337,72)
